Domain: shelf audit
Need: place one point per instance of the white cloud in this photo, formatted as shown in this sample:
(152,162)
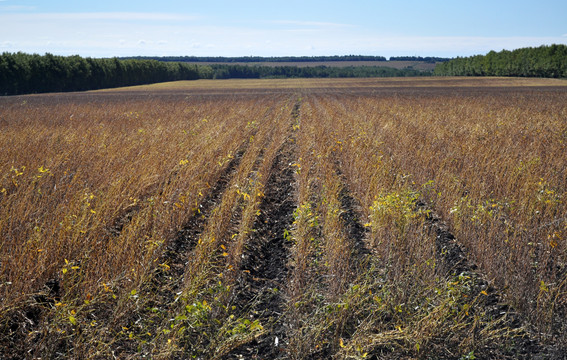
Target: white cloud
(129,34)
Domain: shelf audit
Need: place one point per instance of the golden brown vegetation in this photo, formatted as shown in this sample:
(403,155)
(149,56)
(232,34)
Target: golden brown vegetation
(287,219)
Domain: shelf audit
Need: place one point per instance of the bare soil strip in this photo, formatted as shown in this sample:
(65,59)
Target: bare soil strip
(166,282)
(452,262)
(355,231)
(176,253)
(259,290)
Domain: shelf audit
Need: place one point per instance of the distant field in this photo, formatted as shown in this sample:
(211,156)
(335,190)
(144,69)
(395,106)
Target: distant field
(291,85)
(417,65)
(393,218)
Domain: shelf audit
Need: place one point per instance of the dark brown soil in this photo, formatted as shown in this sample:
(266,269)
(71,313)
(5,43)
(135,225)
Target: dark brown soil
(165,284)
(452,262)
(176,253)
(260,288)
(350,217)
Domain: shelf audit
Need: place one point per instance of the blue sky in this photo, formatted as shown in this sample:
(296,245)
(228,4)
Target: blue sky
(105,28)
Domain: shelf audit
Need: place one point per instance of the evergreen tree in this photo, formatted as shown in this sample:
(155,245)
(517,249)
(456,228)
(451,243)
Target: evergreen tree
(544,61)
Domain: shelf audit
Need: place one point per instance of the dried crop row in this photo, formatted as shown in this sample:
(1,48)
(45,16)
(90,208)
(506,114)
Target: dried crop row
(95,162)
(159,295)
(402,302)
(263,269)
(204,318)
(328,263)
(493,166)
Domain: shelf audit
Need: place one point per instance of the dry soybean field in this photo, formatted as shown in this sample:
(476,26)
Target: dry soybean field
(286,219)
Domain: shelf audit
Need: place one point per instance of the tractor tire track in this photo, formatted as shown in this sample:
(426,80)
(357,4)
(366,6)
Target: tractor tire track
(452,261)
(166,282)
(353,228)
(177,251)
(259,289)
(163,283)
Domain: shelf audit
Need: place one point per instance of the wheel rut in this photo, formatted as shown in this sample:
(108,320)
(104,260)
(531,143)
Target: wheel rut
(166,282)
(177,251)
(259,290)
(353,228)
(452,262)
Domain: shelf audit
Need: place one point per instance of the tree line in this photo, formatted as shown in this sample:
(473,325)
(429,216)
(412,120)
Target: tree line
(427,59)
(22,73)
(256,59)
(262,72)
(544,61)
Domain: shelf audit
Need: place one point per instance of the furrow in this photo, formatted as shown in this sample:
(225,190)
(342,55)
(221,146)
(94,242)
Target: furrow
(186,239)
(354,229)
(260,288)
(452,262)
(166,283)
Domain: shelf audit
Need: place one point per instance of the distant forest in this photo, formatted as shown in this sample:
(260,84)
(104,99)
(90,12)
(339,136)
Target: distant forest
(271,72)
(544,61)
(257,59)
(427,59)
(22,73)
